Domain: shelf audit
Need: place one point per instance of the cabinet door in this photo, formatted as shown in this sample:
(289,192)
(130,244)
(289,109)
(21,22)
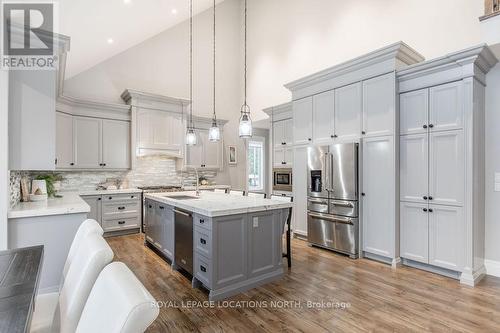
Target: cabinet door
(414,232)
(116,144)
(288,132)
(150,221)
(302,121)
(279,157)
(279,133)
(379,103)
(288,157)
(144,134)
(64,140)
(379,222)
(299,221)
(446,107)
(158,225)
(348,109)
(212,152)
(414,167)
(446,237)
(94,202)
(168,240)
(87,142)
(323,117)
(176,133)
(194,154)
(414,112)
(446,168)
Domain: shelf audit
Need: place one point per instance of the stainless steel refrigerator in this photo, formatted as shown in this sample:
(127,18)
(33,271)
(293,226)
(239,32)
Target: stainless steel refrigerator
(333,205)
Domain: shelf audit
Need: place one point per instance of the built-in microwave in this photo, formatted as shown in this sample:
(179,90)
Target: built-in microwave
(282,179)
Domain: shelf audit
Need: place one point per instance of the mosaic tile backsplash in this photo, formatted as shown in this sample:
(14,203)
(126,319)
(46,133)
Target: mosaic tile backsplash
(150,170)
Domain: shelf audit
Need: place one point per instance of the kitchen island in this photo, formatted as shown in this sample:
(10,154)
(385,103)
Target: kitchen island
(236,241)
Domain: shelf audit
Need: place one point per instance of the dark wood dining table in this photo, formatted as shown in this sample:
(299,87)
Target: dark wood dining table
(19,276)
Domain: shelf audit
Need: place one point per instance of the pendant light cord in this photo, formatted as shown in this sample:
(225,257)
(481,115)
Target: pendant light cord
(191,63)
(245,105)
(215,115)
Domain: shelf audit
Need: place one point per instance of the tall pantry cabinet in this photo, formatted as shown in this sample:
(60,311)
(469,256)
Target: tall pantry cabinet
(442,163)
(357,102)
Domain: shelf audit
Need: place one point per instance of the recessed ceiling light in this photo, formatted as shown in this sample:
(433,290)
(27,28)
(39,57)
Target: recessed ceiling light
(127,1)
(110,41)
(174,11)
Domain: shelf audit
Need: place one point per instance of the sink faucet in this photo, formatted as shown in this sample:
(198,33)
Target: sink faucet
(197,183)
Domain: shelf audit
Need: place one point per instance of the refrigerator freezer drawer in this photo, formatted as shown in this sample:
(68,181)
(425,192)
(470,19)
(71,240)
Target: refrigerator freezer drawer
(319,205)
(343,208)
(333,232)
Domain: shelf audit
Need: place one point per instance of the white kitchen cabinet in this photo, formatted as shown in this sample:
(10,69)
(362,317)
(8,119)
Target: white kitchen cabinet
(348,109)
(283,157)
(159,132)
(379,104)
(414,112)
(87,142)
(64,140)
(288,134)
(116,144)
(302,121)
(323,118)
(299,221)
(446,168)
(283,133)
(415,231)
(446,106)
(414,167)
(205,154)
(446,237)
(378,196)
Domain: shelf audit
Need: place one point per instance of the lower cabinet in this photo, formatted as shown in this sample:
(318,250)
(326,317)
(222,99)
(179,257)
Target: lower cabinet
(433,234)
(117,212)
(159,225)
(299,211)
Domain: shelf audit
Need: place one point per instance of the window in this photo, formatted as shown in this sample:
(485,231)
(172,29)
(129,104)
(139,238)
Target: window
(256,178)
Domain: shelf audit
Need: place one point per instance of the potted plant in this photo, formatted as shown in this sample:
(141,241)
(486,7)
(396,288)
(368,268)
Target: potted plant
(53,181)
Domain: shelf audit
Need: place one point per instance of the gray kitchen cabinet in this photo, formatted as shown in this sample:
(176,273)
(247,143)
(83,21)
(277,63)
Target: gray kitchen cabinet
(348,109)
(32,97)
(415,231)
(87,142)
(151,223)
(414,168)
(115,144)
(205,154)
(379,196)
(323,118)
(414,112)
(164,229)
(446,111)
(64,141)
(303,121)
(283,132)
(94,201)
(299,219)
(379,105)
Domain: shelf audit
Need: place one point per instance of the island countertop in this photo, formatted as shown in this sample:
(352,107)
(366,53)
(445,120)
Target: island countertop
(217,204)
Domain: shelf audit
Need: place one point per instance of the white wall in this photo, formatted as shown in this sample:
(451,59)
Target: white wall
(4,157)
(289,39)
(492,150)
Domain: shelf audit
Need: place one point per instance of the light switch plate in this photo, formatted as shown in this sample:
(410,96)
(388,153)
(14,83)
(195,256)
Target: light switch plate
(255,222)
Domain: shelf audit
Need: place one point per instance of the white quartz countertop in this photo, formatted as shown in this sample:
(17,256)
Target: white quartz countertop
(70,203)
(206,187)
(218,204)
(106,192)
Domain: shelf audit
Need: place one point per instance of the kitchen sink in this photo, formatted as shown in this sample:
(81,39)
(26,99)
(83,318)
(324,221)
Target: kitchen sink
(182,197)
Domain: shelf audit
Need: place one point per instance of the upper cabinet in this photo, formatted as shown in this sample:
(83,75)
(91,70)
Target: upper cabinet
(323,117)
(116,144)
(283,132)
(64,140)
(87,141)
(379,106)
(348,106)
(440,108)
(205,154)
(302,121)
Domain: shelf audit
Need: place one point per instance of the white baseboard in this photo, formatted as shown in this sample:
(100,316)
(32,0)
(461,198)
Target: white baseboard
(492,267)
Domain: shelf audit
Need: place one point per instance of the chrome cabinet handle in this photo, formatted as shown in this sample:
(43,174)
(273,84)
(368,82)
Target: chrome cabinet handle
(343,204)
(321,202)
(333,219)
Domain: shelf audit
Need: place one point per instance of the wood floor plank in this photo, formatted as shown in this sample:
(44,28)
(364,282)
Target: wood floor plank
(369,297)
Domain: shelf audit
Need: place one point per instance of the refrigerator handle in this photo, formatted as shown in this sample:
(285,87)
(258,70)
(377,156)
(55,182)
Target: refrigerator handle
(327,172)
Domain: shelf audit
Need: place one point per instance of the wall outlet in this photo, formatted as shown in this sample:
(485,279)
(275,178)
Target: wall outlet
(255,222)
(497,181)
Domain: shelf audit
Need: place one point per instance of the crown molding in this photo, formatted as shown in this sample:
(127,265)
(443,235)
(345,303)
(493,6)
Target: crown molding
(278,109)
(131,94)
(83,107)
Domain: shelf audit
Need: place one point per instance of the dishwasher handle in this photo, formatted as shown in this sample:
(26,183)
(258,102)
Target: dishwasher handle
(182,213)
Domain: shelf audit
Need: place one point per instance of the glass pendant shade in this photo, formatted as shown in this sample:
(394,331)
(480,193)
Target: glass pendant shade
(245,126)
(191,137)
(214,133)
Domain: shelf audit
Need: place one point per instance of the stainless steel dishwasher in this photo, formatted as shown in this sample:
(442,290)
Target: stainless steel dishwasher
(184,240)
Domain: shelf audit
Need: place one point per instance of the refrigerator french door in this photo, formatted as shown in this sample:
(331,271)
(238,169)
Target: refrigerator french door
(333,210)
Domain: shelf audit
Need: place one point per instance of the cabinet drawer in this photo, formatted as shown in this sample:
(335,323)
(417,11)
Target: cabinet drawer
(203,242)
(120,224)
(203,270)
(122,197)
(202,221)
(120,210)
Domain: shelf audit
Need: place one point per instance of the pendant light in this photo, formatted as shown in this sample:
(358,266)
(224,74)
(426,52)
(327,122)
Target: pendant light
(214,131)
(191,135)
(245,128)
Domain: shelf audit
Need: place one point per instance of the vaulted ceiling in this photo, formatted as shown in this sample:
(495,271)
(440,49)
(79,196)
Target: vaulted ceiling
(100,29)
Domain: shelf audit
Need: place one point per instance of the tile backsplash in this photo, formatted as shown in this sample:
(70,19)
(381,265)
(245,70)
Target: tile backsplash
(150,170)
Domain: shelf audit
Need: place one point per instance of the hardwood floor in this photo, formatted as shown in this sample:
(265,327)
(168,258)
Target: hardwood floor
(370,296)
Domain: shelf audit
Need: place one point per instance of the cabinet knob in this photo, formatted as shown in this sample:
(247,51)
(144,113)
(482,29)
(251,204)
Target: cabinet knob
(431,198)
(425,209)
(363,194)
(425,197)
(425,126)
(110,198)
(363,132)
(150,206)
(121,208)
(431,125)
(72,164)
(202,221)
(202,268)
(98,199)
(309,139)
(430,210)
(121,222)
(132,196)
(161,207)
(202,241)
